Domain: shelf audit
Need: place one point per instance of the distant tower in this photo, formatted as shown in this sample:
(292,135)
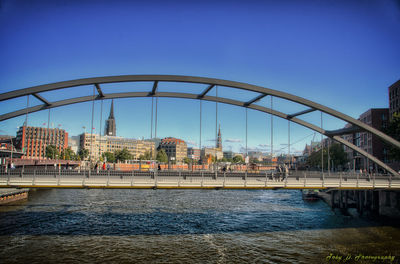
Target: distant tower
(219,140)
(111,128)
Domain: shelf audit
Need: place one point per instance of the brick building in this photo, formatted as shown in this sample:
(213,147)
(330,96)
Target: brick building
(394,98)
(34,140)
(377,118)
(174,147)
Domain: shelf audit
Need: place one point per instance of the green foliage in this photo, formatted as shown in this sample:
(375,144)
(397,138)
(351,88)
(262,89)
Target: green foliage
(187,160)
(238,159)
(393,130)
(223,160)
(52,152)
(147,155)
(337,156)
(162,156)
(68,154)
(109,156)
(83,153)
(122,155)
(254,160)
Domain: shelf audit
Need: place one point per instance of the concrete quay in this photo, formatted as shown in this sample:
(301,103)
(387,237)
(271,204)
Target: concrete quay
(12,195)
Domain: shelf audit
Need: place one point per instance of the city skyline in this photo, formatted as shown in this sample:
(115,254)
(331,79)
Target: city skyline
(340,54)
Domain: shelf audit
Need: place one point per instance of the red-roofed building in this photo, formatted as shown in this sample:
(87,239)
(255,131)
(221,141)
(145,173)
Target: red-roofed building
(174,147)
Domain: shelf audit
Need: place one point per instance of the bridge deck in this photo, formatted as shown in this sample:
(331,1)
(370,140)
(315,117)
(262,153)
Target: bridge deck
(194,180)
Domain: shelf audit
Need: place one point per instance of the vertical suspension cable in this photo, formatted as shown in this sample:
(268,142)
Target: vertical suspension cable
(322,148)
(246,136)
(26,113)
(216,122)
(91,127)
(155,125)
(101,120)
(26,120)
(329,157)
(151,125)
(272,132)
(200,126)
(47,137)
(290,160)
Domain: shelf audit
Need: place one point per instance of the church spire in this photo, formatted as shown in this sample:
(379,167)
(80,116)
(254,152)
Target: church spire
(112,110)
(111,129)
(219,139)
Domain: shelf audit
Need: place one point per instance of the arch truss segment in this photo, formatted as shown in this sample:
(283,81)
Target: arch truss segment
(201,80)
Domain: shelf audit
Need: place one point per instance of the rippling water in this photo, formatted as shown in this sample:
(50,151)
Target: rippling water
(185,226)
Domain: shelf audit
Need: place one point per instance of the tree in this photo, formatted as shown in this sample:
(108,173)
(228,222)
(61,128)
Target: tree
(162,156)
(52,152)
(109,156)
(336,153)
(147,155)
(238,159)
(223,159)
(187,160)
(123,155)
(68,154)
(83,153)
(393,130)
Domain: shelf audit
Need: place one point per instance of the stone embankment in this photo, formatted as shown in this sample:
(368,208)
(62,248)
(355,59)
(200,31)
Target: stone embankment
(9,195)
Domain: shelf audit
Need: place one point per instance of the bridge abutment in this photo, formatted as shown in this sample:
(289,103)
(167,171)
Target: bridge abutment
(371,202)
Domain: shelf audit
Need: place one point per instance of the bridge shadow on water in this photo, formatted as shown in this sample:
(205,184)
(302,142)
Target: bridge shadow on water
(288,213)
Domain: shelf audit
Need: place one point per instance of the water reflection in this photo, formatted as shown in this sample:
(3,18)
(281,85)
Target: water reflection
(188,226)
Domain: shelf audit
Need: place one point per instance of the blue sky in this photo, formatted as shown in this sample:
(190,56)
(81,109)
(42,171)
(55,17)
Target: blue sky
(343,54)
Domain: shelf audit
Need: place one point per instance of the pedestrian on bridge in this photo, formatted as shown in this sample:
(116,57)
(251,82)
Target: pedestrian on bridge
(104,166)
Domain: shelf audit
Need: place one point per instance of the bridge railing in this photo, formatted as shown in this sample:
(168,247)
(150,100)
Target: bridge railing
(300,176)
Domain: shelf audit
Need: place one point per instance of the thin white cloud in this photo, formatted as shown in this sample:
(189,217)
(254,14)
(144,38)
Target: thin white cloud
(233,140)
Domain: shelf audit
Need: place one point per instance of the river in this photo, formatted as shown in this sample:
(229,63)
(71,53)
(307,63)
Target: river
(188,226)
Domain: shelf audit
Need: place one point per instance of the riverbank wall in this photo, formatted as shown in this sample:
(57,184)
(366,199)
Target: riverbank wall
(13,195)
(373,202)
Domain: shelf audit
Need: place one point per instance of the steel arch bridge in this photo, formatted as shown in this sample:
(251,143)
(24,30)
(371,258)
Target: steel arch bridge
(211,83)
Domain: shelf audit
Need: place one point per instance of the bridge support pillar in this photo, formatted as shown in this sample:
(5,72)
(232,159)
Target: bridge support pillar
(375,202)
(360,206)
(341,199)
(333,204)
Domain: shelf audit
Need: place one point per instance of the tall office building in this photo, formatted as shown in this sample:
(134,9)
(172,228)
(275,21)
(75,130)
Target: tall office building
(34,140)
(394,98)
(174,147)
(377,118)
(111,129)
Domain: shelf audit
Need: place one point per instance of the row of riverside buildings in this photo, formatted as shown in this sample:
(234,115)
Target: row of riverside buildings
(378,118)
(32,141)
